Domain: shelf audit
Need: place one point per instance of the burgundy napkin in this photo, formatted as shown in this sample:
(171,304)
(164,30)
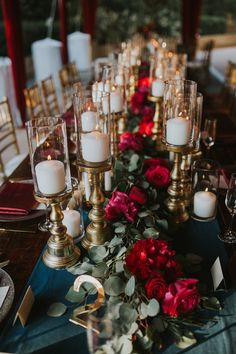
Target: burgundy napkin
(17,198)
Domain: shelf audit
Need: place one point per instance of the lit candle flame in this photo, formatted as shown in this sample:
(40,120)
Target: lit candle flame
(49,157)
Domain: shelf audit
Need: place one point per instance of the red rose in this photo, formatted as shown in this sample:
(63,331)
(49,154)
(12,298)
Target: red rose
(181,297)
(137,102)
(120,204)
(156,288)
(137,195)
(133,141)
(142,259)
(147,113)
(158,176)
(154,162)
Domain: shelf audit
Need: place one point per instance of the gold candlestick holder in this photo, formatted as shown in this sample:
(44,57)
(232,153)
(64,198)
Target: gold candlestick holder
(118,127)
(157,120)
(61,251)
(186,180)
(175,203)
(98,231)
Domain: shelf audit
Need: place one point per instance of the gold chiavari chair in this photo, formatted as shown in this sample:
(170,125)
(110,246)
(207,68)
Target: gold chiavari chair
(69,75)
(10,155)
(34,102)
(50,96)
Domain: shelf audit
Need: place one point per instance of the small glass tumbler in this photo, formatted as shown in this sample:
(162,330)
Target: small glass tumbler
(205,183)
(49,156)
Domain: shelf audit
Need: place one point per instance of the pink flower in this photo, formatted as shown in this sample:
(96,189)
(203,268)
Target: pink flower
(181,297)
(120,204)
(133,141)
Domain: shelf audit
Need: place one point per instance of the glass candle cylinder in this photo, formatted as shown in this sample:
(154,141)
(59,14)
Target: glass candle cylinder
(48,149)
(198,120)
(205,183)
(94,130)
(156,76)
(179,110)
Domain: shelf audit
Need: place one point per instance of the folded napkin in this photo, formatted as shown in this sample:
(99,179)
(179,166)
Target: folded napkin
(17,198)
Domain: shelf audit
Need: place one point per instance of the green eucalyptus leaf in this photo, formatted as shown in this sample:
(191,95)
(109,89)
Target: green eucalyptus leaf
(143,310)
(130,286)
(114,286)
(119,266)
(121,252)
(120,229)
(115,242)
(125,345)
(149,221)
(88,267)
(75,296)
(128,314)
(90,288)
(133,328)
(186,341)
(150,232)
(211,303)
(97,254)
(162,223)
(56,309)
(100,270)
(153,308)
(155,207)
(133,165)
(119,166)
(143,214)
(145,184)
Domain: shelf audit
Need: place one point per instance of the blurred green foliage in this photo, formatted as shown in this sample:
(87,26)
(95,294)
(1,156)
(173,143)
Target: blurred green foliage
(118,19)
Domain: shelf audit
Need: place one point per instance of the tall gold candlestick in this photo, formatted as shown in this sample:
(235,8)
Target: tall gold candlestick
(61,251)
(175,202)
(157,120)
(98,231)
(186,180)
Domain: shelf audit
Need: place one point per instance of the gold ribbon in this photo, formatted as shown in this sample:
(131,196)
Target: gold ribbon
(80,314)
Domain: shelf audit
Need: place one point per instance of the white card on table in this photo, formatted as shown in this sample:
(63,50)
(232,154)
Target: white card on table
(217,273)
(3,294)
(25,307)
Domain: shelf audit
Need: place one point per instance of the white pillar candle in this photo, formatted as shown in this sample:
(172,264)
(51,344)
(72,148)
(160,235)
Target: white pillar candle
(50,176)
(204,204)
(86,186)
(158,88)
(177,131)
(116,101)
(100,86)
(72,222)
(95,146)
(88,120)
(119,80)
(107,86)
(107,180)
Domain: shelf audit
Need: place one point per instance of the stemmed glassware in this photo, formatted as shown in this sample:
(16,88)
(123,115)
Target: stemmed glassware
(228,235)
(209,133)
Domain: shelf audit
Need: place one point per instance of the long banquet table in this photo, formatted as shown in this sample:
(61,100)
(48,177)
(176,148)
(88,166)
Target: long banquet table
(44,334)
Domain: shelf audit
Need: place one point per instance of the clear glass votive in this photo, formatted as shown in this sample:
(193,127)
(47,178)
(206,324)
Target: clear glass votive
(205,183)
(49,156)
(179,108)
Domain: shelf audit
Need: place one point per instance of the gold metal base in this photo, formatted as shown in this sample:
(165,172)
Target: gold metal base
(186,181)
(61,251)
(175,202)
(157,120)
(98,231)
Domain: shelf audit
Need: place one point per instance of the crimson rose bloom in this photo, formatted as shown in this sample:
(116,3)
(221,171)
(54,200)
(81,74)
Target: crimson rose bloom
(137,102)
(148,257)
(120,204)
(146,128)
(154,162)
(156,287)
(133,141)
(181,297)
(158,176)
(137,195)
(144,84)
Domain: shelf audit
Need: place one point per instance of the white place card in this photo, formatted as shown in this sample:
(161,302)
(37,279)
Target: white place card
(25,307)
(3,294)
(217,273)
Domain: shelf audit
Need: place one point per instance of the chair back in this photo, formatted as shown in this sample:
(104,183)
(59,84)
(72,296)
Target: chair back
(50,96)
(7,132)
(68,75)
(34,102)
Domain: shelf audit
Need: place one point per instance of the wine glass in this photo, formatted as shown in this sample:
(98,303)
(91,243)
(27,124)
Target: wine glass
(228,235)
(100,330)
(209,132)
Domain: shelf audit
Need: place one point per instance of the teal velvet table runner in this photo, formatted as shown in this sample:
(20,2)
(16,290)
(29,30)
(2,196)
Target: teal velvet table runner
(44,334)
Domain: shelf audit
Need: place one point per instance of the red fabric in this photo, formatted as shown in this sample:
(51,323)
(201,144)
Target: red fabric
(17,198)
(62,8)
(13,31)
(89,8)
